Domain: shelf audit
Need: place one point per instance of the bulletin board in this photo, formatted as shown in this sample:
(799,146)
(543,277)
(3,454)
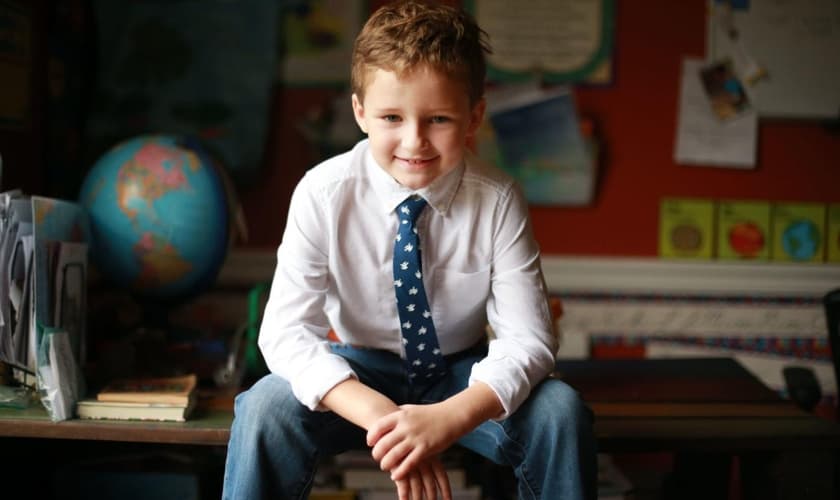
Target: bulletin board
(634,119)
(797,43)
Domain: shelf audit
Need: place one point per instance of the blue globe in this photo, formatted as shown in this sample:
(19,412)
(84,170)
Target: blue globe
(159,216)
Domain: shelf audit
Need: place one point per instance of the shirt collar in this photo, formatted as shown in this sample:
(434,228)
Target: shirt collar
(439,194)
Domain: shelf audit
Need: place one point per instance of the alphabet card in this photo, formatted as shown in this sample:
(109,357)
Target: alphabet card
(743,230)
(686,228)
(832,242)
(798,232)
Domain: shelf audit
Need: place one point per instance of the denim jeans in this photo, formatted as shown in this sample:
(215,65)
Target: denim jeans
(276,442)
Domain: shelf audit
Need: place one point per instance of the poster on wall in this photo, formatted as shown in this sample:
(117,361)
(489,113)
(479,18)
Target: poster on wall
(316,38)
(562,41)
(535,135)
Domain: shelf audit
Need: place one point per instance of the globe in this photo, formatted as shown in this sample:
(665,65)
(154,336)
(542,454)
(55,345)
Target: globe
(159,216)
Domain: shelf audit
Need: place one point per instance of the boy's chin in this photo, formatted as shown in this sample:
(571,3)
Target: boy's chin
(414,181)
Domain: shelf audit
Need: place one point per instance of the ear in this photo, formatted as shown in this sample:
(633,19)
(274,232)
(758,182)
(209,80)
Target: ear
(476,116)
(359,113)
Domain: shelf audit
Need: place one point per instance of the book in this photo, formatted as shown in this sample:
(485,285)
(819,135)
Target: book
(95,410)
(161,390)
(364,479)
(612,483)
(324,493)
(468,493)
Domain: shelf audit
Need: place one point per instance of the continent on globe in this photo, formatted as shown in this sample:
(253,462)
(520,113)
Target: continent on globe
(154,171)
(161,264)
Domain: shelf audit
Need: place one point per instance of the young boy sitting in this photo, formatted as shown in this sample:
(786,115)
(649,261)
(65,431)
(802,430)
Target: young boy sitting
(407,246)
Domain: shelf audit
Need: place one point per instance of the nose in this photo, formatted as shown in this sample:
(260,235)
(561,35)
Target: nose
(414,136)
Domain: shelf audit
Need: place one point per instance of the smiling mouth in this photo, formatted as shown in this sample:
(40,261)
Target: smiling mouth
(416,162)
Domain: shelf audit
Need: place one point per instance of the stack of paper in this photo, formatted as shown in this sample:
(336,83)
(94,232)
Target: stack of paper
(43,290)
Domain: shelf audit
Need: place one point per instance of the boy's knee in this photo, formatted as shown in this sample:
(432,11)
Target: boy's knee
(559,404)
(268,399)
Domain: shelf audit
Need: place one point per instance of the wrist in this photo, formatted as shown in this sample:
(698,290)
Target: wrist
(474,405)
(358,403)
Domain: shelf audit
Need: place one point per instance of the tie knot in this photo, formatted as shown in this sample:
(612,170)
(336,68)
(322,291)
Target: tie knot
(411,208)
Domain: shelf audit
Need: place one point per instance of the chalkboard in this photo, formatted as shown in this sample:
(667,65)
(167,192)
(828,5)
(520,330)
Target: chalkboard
(797,43)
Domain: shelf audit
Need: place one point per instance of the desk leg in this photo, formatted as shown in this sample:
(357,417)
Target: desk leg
(698,476)
(790,475)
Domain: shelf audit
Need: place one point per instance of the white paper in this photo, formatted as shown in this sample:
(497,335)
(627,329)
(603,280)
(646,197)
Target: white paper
(797,43)
(703,139)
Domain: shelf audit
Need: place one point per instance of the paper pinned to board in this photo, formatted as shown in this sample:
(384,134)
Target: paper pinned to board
(703,139)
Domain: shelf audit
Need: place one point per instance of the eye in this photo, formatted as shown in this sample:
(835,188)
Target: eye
(440,119)
(391,118)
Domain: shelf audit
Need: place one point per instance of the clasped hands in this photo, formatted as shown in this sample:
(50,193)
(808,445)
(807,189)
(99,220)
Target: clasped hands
(407,442)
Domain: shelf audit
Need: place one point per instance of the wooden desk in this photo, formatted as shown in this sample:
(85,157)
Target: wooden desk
(691,405)
(209,427)
(704,410)
(639,405)
(709,412)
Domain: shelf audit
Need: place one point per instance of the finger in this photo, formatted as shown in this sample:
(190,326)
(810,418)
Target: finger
(416,486)
(380,428)
(403,489)
(429,481)
(394,458)
(442,480)
(384,445)
(406,463)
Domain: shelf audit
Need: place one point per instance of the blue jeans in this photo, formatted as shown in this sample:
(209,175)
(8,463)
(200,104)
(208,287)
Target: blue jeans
(276,442)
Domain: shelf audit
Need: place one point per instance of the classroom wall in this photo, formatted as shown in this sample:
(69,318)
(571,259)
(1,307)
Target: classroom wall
(635,118)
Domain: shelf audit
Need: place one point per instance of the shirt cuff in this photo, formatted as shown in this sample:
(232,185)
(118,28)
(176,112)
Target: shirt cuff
(506,378)
(313,383)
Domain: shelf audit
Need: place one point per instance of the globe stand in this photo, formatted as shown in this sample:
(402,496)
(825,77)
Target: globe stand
(150,337)
(155,343)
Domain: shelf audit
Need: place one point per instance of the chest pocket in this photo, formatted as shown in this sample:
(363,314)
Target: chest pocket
(458,302)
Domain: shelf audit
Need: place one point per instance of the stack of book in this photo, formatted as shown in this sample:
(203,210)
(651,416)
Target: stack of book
(360,473)
(163,398)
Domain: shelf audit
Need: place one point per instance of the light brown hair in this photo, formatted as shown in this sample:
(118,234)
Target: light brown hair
(405,35)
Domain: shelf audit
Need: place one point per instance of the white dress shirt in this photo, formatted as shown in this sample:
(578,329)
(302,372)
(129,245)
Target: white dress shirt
(334,270)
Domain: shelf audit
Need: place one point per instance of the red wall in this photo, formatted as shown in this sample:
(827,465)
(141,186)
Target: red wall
(635,120)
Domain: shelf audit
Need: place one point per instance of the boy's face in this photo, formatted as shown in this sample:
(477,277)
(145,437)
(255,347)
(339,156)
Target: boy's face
(417,125)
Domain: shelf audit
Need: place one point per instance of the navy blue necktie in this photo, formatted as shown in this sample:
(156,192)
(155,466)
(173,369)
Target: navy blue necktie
(422,352)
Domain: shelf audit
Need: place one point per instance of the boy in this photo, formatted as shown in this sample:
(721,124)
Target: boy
(414,376)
